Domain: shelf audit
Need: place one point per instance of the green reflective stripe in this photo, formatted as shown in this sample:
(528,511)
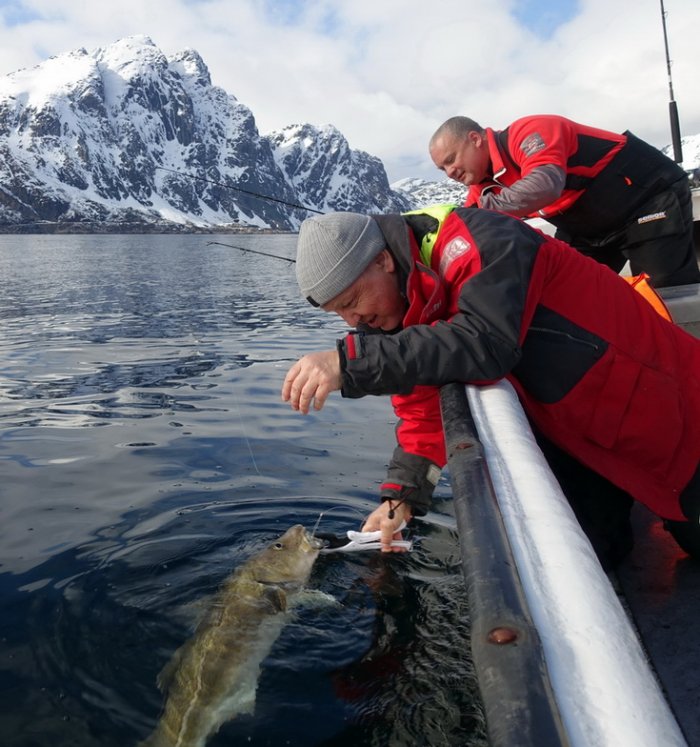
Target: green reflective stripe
(439,213)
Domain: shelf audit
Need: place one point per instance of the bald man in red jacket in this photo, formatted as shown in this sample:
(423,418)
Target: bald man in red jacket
(613,197)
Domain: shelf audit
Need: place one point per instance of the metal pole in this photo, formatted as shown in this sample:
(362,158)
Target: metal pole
(672,107)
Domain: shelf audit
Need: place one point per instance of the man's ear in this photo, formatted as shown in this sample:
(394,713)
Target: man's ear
(385,261)
(476,138)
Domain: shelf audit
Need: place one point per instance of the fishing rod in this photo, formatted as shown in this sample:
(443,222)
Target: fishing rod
(672,106)
(252,251)
(240,189)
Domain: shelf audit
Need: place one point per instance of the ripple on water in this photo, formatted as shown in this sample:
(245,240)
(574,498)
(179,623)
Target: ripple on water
(387,662)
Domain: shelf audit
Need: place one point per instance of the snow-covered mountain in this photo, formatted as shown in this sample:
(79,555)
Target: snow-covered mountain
(419,192)
(116,135)
(326,173)
(126,135)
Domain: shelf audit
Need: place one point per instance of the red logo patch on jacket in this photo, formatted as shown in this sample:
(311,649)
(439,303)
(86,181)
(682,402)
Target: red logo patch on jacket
(457,247)
(532,144)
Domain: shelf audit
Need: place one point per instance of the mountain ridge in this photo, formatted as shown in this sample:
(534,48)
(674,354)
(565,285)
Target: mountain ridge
(125,137)
(125,134)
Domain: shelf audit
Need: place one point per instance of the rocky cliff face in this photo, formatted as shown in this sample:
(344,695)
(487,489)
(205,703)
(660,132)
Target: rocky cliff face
(126,134)
(326,173)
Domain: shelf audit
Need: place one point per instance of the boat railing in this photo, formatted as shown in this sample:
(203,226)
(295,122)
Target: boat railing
(557,657)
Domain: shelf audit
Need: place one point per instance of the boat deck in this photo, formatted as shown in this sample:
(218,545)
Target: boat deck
(660,585)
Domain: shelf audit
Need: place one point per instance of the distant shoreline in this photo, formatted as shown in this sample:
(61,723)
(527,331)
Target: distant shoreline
(130,228)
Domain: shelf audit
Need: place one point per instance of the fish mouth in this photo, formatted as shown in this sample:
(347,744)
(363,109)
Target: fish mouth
(303,539)
(314,542)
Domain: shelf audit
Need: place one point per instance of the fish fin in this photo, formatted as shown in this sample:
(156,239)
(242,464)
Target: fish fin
(275,596)
(192,613)
(316,599)
(246,698)
(166,674)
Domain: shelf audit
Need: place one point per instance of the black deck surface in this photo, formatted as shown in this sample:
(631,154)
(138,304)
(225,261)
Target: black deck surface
(661,587)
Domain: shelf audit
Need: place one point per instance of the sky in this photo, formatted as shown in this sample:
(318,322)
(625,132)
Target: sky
(386,73)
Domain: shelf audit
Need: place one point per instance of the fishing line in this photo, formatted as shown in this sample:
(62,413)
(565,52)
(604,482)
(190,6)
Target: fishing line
(334,508)
(240,189)
(245,435)
(252,251)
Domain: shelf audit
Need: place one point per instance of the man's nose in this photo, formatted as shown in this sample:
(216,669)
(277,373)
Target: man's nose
(351,318)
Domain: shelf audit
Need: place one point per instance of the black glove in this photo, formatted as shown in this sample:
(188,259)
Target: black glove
(410,479)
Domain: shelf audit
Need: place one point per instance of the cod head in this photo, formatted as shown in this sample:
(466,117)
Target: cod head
(287,562)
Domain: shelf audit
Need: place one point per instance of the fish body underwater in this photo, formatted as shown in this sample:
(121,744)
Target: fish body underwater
(213,676)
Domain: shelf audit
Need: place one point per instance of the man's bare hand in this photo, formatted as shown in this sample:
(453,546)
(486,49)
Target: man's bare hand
(379,519)
(311,379)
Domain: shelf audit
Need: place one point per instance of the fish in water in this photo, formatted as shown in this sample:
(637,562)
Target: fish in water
(213,677)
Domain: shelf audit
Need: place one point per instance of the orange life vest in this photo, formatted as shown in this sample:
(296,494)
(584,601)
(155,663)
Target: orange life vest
(641,284)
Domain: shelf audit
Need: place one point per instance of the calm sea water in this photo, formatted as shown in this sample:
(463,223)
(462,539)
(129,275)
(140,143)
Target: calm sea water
(145,453)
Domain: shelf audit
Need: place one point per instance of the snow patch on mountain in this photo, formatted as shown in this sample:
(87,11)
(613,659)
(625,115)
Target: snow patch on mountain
(419,192)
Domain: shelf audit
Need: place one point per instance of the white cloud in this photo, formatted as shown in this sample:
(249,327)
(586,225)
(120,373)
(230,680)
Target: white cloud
(387,73)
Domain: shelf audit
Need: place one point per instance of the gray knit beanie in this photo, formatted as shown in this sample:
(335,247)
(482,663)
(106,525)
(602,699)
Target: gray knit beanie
(332,252)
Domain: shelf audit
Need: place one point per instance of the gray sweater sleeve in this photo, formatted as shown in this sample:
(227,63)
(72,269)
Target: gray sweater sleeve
(539,188)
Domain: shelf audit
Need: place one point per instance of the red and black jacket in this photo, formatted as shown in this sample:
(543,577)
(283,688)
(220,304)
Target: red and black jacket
(599,372)
(607,175)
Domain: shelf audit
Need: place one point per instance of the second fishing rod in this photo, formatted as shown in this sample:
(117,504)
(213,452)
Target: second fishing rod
(248,192)
(241,189)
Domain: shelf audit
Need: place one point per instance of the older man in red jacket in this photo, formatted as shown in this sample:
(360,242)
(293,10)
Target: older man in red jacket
(613,197)
(454,294)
